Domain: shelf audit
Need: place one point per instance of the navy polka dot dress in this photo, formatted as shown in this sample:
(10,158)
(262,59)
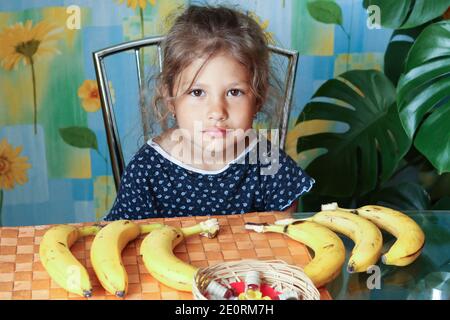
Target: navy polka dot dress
(155,184)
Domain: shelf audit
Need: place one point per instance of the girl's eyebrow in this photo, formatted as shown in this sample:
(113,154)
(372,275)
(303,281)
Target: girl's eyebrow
(239,83)
(199,84)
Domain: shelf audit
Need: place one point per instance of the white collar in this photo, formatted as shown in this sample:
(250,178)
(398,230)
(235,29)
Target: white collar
(169,157)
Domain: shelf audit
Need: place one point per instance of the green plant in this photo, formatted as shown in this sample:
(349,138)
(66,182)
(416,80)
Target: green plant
(363,100)
(389,124)
(405,14)
(424,95)
(329,12)
(397,50)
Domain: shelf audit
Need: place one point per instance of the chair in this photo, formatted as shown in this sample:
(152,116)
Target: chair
(112,134)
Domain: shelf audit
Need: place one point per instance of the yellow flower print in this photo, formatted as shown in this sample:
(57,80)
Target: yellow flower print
(263,24)
(142,5)
(13,168)
(26,43)
(90,96)
(134,3)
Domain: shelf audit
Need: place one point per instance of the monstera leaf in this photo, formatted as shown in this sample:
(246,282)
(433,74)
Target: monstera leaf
(424,95)
(369,151)
(400,14)
(404,196)
(398,48)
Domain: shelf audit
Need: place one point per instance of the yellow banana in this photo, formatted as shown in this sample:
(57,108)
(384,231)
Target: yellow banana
(157,253)
(106,253)
(329,251)
(366,236)
(410,237)
(59,262)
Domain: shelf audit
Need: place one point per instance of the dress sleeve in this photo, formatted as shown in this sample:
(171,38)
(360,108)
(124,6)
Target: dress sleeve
(284,184)
(133,199)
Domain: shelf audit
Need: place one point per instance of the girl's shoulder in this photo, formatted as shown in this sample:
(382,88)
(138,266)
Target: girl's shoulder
(144,156)
(148,153)
(269,152)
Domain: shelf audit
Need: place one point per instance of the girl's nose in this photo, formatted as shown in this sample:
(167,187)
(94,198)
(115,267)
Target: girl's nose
(217,110)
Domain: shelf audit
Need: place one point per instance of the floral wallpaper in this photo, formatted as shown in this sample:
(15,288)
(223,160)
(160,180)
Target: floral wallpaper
(54,160)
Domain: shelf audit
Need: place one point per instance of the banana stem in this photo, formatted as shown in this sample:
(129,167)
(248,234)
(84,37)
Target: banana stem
(208,228)
(263,228)
(89,230)
(192,230)
(334,207)
(274,228)
(147,228)
(347,210)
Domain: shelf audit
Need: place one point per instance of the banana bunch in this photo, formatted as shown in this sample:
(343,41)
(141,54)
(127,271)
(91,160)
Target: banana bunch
(106,253)
(410,237)
(361,225)
(316,232)
(329,251)
(67,271)
(58,260)
(157,253)
(366,236)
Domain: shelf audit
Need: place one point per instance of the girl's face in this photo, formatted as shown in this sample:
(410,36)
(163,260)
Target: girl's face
(218,103)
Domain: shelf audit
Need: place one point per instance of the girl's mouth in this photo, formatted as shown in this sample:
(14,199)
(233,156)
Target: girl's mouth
(216,132)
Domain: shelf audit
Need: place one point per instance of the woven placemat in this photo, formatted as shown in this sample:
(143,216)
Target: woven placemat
(22,275)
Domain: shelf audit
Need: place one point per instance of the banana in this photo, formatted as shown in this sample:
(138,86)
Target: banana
(410,237)
(366,236)
(329,251)
(157,253)
(59,262)
(106,253)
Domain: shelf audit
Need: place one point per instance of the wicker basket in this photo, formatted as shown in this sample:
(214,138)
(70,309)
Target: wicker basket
(275,273)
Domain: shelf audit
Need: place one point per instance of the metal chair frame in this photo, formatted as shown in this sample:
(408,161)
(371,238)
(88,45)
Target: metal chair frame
(112,133)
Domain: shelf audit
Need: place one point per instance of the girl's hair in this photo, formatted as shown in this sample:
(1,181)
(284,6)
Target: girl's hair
(202,32)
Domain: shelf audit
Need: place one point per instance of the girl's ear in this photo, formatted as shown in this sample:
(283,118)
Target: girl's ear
(168,100)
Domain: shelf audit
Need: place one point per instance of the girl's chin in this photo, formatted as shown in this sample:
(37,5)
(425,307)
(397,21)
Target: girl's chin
(214,146)
(221,143)
(217,145)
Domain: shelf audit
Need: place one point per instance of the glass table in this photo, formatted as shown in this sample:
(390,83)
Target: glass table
(426,278)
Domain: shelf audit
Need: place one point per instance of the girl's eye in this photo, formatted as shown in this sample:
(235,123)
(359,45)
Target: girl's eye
(196,92)
(235,92)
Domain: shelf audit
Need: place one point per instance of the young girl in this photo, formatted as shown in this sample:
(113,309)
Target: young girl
(215,79)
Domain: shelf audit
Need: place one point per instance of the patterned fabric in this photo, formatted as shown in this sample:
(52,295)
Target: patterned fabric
(155,184)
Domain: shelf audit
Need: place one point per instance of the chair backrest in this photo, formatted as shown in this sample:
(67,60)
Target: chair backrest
(112,133)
